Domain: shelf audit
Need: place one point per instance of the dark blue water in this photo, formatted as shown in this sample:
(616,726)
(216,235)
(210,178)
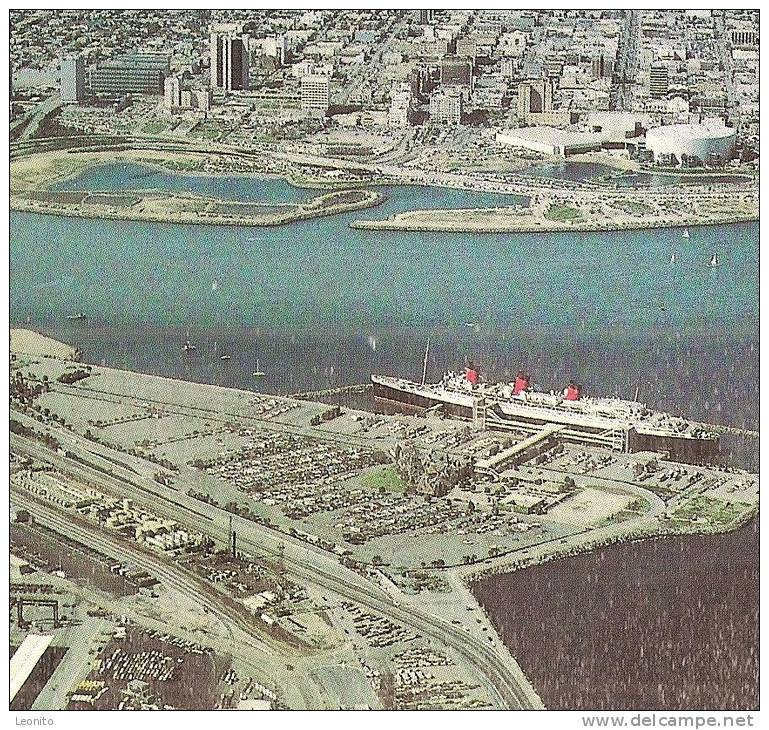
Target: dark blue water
(666,624)
(572,171)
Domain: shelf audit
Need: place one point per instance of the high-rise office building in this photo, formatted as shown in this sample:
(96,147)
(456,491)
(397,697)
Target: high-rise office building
(315,92)
(172,94)
(276,47)
(658,82)
(456,72)
(446,107)
(72,88)
(136,73)
(425,15)
(201,99)
(399,114)
(229,57)
(467,48)
(744,37)
(534,97)
(602,66)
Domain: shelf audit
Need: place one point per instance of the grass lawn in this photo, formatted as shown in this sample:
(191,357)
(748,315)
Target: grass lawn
(207,130)
(155,126)
(385,478)
(714,511)
(634,207)
(561,213)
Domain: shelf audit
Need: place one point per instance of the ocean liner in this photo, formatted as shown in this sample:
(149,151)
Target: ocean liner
(622,425)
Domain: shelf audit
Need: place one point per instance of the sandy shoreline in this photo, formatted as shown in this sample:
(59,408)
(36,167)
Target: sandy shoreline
(29,342)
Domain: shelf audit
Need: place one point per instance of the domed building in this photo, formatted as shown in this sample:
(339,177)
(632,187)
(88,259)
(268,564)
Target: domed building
(692,144)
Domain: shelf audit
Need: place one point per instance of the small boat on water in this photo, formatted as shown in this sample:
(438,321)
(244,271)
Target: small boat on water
(77,317)
(188,345)
(714,262)
(685,234)
(258,373)
(225,357)
(673,258)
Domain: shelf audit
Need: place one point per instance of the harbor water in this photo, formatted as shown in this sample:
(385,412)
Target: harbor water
(318,304)
(321,305)
(669,624)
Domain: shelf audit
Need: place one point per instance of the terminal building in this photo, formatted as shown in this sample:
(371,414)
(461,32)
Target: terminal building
(136,73)
(551,141)
(711,143)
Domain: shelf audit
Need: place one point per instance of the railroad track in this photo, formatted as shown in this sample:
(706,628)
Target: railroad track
(511,686)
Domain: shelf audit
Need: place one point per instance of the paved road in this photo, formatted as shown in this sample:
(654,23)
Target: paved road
(312,566)
(32,121)
(627,62)
(298,688)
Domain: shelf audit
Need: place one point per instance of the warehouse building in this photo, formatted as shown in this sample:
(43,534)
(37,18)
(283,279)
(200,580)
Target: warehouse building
(551,141)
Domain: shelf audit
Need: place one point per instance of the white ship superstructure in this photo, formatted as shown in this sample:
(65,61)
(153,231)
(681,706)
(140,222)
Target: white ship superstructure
(614,423)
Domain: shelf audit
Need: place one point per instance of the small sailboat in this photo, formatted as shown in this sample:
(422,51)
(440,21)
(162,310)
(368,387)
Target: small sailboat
(258,373)
(188,346)
(714,262)
(685,234)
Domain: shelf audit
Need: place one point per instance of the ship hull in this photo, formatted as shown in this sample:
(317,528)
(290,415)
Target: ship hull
(406,402)
(685,450)
(677,448)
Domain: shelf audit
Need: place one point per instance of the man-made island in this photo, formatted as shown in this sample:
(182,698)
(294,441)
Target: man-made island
(585,211)
(554,204)
(31,178)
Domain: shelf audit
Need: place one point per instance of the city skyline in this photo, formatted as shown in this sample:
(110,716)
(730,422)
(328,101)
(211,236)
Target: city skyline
(385,360)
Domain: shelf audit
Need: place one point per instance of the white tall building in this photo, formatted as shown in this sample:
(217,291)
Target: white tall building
(229,57)
(201,99)
(399,114)
(72,88)
(172,94)
(446,107)
(276,47)
(315,92)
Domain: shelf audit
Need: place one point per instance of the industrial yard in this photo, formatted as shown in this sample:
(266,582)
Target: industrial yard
(217,501)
